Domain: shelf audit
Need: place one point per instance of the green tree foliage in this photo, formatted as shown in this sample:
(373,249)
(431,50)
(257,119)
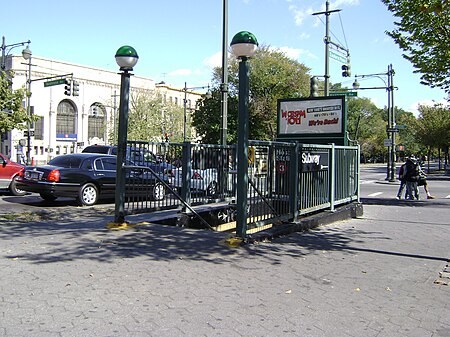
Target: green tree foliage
(208,120)
(12,113)
(150,118)
(423,33)
(406,137)
(272,76)
(367,125)
(433,127)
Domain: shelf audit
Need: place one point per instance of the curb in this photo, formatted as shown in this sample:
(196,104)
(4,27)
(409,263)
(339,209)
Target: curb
(346,212)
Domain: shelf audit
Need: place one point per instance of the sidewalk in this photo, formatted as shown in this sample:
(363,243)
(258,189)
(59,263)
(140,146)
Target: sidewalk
(372,276)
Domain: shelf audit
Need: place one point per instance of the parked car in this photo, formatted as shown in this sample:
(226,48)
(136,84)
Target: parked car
(88,177)
(201,180)
(138,155)
(9,173)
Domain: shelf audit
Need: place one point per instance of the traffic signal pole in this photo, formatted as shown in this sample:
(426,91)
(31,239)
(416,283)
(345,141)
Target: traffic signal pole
(327,41)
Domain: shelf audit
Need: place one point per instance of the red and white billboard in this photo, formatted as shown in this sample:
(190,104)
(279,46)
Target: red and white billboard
(311,116)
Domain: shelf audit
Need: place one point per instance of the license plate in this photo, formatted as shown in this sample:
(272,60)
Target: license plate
(33,175)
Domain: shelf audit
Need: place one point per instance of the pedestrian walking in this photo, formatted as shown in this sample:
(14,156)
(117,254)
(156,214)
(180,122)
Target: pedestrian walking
(422,181)
(401,178)
(411,173)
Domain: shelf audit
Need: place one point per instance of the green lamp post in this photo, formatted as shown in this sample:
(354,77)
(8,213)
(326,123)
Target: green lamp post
(126,58)
(243,46)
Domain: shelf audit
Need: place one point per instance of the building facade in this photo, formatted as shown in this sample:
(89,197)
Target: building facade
(68,123)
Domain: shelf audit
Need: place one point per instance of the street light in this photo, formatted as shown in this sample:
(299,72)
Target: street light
(243,46)
(26,54)
(185,89)
(391,130)
(5,52)
(126,58)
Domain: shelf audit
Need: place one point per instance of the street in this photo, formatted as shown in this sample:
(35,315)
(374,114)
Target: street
(380,275)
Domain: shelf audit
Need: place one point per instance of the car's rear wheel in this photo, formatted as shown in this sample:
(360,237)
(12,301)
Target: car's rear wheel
(159,191)
(88,195)
(47,197)
(13,188)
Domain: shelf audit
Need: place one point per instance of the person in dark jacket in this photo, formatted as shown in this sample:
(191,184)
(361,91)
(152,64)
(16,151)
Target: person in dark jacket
(411,176)
(401,177)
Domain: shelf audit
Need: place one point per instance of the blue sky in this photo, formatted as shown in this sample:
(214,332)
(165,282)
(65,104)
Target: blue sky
(179,41)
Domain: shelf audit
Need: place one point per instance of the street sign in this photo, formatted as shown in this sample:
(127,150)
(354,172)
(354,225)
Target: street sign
(25,133)
(392,130)
(388,142)
(54,82)
(338,57)
(400,126)
(344,93)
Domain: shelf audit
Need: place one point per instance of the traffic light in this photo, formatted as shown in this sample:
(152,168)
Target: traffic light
(314,86)
(68,87)
(346,71)
(75,88)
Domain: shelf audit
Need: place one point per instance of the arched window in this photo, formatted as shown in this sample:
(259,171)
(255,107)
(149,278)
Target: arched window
(96,121)
(66,120)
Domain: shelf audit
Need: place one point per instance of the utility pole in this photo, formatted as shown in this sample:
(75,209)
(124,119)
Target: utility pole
(327,41)
(224,84)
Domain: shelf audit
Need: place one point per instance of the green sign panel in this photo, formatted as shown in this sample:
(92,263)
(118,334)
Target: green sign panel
(344,93)
(54,82)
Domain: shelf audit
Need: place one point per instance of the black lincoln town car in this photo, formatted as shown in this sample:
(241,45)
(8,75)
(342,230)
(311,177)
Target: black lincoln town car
(89,177)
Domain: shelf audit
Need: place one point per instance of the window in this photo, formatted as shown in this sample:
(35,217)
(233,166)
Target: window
(96,121)
(66,118)
(109,164)
(39,129)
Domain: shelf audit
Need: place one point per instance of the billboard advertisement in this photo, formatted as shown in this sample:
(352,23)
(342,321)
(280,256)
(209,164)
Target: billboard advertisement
(312,118)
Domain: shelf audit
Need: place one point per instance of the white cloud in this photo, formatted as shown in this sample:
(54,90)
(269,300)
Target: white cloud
(214,60)
(338,3)
(300,14)
(294,53)
(427,102)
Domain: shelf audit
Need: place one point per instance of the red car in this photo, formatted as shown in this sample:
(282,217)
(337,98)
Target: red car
(9,172)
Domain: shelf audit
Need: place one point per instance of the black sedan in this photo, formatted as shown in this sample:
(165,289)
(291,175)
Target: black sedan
(89,177)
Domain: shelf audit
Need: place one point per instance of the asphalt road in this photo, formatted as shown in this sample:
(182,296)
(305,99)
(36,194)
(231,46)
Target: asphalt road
(378,275)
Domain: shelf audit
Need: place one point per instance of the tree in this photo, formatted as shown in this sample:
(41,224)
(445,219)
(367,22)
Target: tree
(423,33)
(272,76)
(12,113)
(207,119)
(150,119)
(433,127)
(367,125)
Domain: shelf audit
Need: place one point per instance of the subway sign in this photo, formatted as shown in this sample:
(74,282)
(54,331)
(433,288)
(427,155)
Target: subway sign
(315,161)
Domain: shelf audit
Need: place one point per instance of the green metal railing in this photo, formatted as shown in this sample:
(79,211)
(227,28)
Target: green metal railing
(286,180)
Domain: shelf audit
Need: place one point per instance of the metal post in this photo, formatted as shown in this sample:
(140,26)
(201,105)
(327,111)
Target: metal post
(119,216)
(391,73)
(224,85)
(29,113)
(327,49)
(389,134)
(2,64)
(185,113)
(242,150)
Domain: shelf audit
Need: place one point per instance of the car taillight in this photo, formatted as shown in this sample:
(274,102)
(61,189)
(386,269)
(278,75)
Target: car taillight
(53,175)
(196,175)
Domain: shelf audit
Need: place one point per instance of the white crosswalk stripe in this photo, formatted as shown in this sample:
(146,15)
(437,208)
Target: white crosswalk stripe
(367,182)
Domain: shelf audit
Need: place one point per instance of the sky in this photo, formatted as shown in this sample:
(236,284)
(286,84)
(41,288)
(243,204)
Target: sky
(180,41)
